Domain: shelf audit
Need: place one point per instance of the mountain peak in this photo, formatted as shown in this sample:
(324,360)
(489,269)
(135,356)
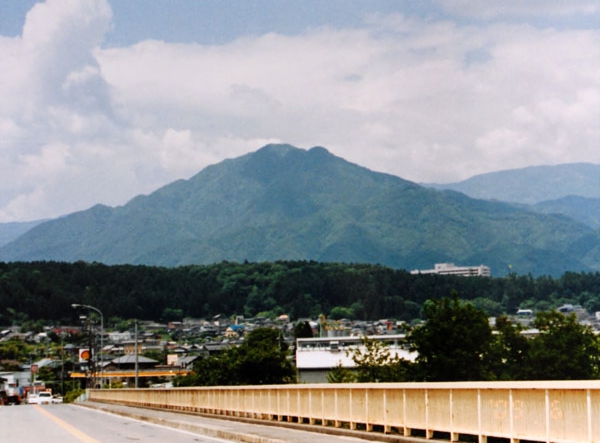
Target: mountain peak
(280,149)
(319,150)
(283,149)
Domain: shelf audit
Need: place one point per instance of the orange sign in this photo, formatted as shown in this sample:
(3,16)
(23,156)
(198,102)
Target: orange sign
(84,355)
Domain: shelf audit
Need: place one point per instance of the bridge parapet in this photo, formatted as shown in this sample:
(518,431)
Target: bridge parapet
(565,411)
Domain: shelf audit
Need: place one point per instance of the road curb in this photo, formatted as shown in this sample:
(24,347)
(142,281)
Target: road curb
(213,431)
(196,428)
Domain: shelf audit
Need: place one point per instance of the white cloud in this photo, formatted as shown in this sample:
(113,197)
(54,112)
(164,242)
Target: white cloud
(59,37)
(425,100)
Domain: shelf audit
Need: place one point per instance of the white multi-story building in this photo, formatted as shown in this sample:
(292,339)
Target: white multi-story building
(451,269)
(315,357)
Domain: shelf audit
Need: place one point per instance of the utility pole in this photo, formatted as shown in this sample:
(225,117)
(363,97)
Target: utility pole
(62,360)
(136,355)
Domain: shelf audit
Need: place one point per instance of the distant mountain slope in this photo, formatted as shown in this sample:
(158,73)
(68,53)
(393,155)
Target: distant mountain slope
(532,185)
(11,231)
(287,203)
(584,210)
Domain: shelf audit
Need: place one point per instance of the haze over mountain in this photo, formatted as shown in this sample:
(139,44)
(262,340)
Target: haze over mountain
(532,185)
(13,230)
(569,189)
(585,210)
(282,202)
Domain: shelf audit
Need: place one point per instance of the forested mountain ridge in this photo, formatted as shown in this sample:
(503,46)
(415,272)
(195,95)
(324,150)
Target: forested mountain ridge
(583,209)
(285,203)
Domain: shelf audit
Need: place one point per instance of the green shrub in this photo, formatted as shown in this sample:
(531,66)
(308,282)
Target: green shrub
(71,396)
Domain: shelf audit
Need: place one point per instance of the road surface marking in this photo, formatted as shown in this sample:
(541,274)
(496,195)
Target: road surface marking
(66,426)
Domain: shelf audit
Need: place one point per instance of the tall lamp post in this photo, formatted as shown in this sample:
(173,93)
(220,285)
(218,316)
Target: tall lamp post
(77,305)
(62,361)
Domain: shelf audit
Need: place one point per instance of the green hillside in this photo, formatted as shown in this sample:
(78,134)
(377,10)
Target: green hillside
(585,210)
(284,203)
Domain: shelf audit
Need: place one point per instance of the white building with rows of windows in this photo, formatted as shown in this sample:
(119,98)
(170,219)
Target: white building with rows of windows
(451,269)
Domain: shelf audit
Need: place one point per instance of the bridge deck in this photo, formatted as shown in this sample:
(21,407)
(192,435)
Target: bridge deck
(247,430)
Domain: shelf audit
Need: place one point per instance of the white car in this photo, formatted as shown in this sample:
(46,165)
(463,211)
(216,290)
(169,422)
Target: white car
(43,398)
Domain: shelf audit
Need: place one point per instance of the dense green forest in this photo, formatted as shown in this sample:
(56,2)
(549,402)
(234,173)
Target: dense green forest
(45,290)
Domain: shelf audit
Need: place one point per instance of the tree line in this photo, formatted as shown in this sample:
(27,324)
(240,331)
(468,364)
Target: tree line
(45,290)
(457,343)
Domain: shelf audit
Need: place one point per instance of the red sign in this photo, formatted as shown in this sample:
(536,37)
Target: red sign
(34,369)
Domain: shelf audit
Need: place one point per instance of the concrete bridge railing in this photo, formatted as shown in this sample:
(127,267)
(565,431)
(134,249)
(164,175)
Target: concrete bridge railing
(566,411)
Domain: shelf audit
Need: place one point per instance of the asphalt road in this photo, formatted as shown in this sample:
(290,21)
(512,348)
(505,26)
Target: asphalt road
(71,424)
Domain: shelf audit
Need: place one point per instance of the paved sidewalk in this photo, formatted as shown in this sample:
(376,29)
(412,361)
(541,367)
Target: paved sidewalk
(250,431)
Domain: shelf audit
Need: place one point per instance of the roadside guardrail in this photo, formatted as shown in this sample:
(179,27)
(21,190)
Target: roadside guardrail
(561,411)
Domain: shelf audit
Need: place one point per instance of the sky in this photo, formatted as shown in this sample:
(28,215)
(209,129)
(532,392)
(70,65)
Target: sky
(103,100)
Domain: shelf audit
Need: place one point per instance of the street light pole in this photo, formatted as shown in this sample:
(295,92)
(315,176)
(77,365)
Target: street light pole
(62,360)
(77,305)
